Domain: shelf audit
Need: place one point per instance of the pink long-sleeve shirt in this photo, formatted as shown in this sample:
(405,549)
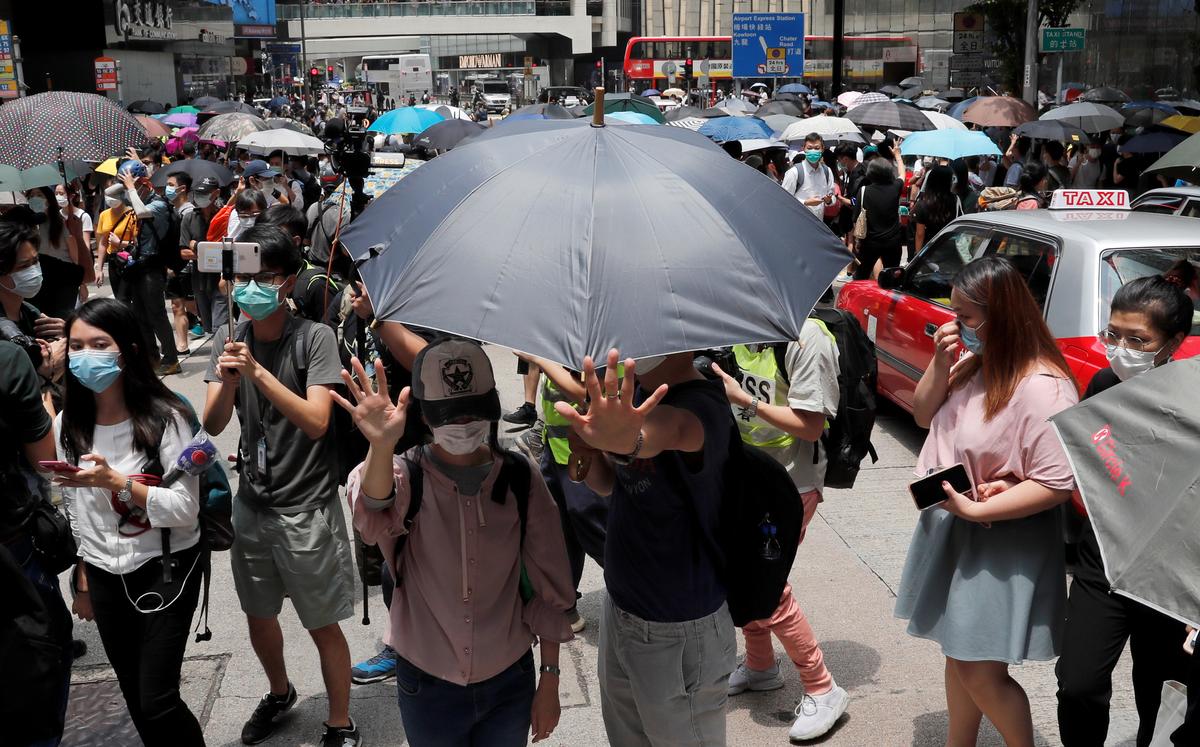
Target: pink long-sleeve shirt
(457,612)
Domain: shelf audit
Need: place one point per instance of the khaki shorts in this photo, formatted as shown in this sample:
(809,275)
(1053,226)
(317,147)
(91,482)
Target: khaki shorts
(304,556)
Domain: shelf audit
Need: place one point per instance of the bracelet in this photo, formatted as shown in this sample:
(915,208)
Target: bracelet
(550,669)
(627,459)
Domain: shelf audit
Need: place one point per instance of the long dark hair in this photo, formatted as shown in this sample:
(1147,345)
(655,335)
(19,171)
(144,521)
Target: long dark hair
(1018,339)
(151,405)
(938,204)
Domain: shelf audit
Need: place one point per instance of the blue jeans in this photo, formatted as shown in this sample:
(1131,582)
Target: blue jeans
(492,713)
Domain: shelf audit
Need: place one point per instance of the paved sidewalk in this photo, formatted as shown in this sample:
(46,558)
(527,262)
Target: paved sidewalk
(845,577)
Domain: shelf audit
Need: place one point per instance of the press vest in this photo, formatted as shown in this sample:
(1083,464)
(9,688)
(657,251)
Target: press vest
(557,426)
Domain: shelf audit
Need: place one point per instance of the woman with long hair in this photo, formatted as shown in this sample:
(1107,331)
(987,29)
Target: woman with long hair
(62,255)
(985,576)
(880,197)
(968,196)
(1149,319)
(1032,183)
(139,574)
(936,206)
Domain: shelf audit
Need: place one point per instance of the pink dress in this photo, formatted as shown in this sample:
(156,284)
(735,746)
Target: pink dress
(999,593)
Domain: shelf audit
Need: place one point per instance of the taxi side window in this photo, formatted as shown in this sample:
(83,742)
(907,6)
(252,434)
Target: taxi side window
(1033,258)
(930,273)
(1192,209)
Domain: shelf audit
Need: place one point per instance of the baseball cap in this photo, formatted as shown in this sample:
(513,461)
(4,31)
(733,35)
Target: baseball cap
(452,378)
(259,168)
(131,166)
(205,186)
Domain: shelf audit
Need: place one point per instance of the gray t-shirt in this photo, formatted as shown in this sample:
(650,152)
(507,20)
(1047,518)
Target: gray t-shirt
(299,473)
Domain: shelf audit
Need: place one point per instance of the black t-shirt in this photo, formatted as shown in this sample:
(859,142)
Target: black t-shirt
(1130,173)
(882,203)
(1091,567)
(662,522)
(23,420)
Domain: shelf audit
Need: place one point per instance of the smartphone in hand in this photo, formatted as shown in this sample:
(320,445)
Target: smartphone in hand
(928,492)
(59,466)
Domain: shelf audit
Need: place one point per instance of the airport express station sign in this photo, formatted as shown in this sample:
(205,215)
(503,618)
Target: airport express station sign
(768,45)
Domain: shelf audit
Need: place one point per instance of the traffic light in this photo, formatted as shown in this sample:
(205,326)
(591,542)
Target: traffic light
(329,71)
(687,68)
(599,64)
(314,72)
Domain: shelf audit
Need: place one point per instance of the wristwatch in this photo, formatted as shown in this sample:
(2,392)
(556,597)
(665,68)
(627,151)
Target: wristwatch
(748,412)
(550,669)
(125,494)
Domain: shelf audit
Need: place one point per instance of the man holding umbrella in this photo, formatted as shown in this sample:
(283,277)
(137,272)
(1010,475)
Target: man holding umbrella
(661,461)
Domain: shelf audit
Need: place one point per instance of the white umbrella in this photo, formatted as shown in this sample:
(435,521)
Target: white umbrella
(1087,116)
(447,111)
(944,121)
(289,141)
(849,98)
(759,143)
(827,127)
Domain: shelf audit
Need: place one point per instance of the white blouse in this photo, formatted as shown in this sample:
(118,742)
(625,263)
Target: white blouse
(93,519)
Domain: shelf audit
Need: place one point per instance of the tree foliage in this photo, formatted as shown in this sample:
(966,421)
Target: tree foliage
(1005,22)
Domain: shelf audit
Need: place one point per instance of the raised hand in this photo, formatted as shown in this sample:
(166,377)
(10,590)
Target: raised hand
(612,422)
(380,420)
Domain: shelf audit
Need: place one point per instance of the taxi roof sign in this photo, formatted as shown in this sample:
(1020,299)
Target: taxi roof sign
(1096,199)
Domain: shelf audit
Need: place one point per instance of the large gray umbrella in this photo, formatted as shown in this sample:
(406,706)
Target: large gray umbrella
(889,115)
(564,240)
(1087,116)
(1133,451)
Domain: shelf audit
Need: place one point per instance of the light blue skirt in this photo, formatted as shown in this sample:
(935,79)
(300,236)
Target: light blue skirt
(997,594)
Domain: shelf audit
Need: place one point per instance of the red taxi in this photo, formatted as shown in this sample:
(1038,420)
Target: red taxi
(1074,256)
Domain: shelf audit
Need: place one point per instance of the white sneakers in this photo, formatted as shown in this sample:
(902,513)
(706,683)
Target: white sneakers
(744,678)
(816,714)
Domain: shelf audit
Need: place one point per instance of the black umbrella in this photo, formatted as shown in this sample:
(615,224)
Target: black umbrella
(911,93)
(779,107)
(1052,129)
(447,134)
(204,102)
(231,107)
(563,240)
(540,111)
(57,125)
(891,89)
(788,96)
(889,115)
(914,81)
(1105,95)
(146,107)
(280,123)
(197,168)
(713,112)
(687,112)
(1146,116)
(953,94)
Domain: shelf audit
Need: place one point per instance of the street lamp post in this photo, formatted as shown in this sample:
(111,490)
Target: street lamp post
(304,82)
(1031,51)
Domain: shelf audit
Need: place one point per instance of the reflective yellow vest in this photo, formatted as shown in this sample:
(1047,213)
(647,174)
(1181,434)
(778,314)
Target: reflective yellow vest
(763,379)
(556,425)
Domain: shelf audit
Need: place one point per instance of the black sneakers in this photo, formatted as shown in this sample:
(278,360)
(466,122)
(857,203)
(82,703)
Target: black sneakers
(526,414)
(262,723)
(341,736)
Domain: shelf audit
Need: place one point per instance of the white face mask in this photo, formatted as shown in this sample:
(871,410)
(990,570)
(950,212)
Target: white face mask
(61,200)
(202,201)
(26,283)
(462,438)
(112,202)
(1127,363)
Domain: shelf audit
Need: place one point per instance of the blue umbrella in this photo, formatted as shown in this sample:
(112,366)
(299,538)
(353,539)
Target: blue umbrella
(818,104)
(404,121)
(795,88)
(1152,142)
(651,92)
(1160,105)
(278,102)
(632,118)
(956,110)
(724,129)
(949,144)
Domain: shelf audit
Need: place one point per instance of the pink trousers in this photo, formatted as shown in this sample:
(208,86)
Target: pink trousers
(791,627)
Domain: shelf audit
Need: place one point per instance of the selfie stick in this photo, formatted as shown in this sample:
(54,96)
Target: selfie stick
(227,276)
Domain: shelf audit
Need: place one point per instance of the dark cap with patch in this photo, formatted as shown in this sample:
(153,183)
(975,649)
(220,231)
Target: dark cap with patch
(452,378)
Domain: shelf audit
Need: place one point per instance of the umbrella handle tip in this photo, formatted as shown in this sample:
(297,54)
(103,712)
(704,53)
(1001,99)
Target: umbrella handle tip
(598,108)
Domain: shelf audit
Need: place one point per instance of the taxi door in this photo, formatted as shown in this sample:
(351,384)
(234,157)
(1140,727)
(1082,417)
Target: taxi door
(914,311)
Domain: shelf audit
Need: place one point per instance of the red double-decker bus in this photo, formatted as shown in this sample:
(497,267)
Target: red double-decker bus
(869,60)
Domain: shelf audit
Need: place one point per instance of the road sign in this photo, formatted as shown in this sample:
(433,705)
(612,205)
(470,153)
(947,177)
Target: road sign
(106,74)
(768,45)
(528,66)
(8,76)
(968,33)
(1061,39)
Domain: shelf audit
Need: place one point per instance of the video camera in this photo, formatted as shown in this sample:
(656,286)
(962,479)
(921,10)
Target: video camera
(346,143)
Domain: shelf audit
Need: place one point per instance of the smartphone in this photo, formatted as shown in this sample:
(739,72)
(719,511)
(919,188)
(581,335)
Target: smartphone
(246,259)
(58,466)
(927,492)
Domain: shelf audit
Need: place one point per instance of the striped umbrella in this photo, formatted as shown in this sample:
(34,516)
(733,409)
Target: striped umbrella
(688,123)
(57,125)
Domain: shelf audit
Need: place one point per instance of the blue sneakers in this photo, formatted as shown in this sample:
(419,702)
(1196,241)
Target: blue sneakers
(380,667)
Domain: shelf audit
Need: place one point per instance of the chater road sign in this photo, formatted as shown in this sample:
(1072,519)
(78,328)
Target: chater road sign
(768,45)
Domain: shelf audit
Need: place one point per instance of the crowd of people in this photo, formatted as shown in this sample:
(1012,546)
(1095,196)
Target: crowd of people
(481,550)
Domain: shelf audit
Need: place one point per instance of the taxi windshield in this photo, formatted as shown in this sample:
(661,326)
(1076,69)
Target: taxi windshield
(1119,266)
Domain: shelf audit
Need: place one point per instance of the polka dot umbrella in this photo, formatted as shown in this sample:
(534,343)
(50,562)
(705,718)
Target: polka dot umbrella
(57,125)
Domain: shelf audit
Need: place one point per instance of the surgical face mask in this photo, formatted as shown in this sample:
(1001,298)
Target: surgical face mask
(95,369)
(202,201)
(1114,137)
(1127,363)
(170,192)
(113,202)
(462,438)
(258,301)
(646,365)
(970,337)
(26,283)
(37,204)
(812,156)
(245,224)
(1093,153)
(61,200)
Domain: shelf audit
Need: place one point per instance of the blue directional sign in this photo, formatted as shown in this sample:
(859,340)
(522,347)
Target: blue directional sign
(768,45)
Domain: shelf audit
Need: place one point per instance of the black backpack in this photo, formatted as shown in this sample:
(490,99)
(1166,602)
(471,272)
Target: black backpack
(847,440)
(35,646)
